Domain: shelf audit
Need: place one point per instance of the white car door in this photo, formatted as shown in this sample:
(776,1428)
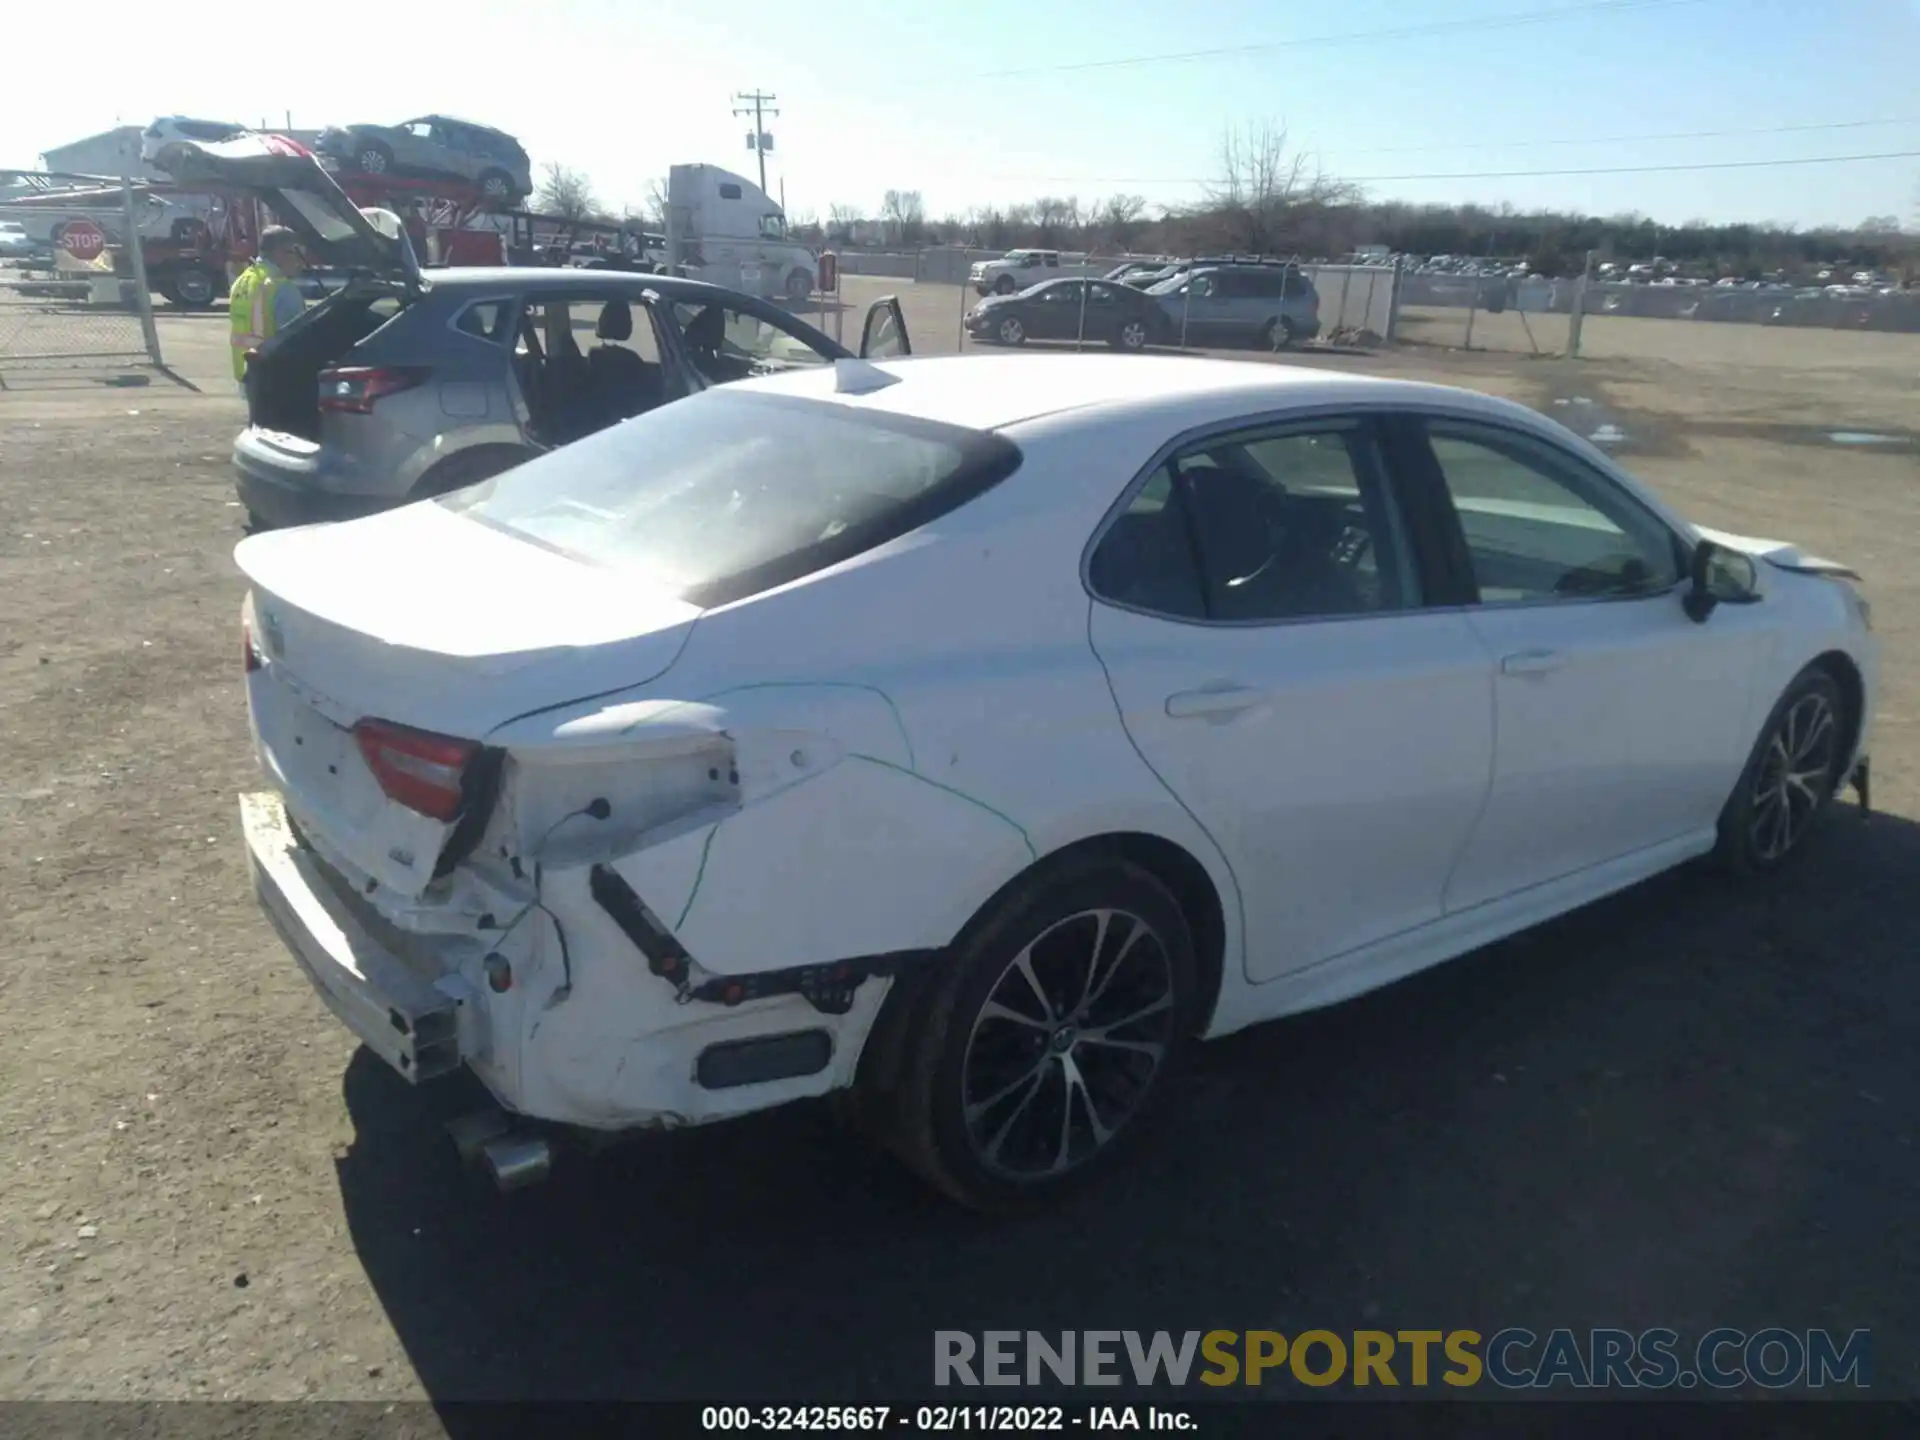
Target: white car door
(1618,718)
(1259,614)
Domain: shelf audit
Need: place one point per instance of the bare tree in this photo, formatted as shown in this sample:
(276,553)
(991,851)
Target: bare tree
(841,220)
(904,213)
(1119,218)
(657,202)
(1264,189)
(1055,218)
(566,193)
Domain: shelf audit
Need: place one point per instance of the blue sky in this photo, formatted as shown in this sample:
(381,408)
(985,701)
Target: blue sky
(876,94)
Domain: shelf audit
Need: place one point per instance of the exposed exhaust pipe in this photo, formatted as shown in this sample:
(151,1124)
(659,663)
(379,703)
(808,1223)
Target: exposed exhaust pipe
(517,1161)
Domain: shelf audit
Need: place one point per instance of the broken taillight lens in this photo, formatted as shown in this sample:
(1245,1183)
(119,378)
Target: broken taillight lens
(417,768)
(353,389)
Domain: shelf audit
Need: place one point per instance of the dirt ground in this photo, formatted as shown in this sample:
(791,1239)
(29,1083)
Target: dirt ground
(1692,1105)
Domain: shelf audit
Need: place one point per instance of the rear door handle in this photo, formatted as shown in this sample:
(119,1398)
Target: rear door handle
(1532,662)
(1229,700)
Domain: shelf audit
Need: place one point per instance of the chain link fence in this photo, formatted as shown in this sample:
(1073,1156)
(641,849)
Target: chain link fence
(75,304)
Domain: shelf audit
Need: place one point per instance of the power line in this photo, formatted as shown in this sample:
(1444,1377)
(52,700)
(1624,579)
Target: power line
(1631,139)
(1399,32)
(1479,174)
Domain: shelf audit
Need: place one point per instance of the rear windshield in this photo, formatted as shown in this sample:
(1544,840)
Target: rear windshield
(726,494)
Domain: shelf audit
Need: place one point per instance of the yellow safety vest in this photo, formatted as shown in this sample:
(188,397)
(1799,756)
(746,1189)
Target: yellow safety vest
(250,311)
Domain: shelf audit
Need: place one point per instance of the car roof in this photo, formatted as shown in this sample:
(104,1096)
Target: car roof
(542,279)
(994,392)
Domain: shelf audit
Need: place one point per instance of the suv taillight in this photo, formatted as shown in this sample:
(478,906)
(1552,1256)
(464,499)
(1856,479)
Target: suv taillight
(416,768)
(353,389)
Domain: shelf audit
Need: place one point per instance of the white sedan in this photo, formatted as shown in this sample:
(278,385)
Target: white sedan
(970,735)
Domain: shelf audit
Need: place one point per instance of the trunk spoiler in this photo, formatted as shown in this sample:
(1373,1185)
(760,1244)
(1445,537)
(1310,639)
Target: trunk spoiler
(1780,555)
(289,178)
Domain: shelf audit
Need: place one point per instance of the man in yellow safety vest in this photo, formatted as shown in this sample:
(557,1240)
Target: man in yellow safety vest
(263,298)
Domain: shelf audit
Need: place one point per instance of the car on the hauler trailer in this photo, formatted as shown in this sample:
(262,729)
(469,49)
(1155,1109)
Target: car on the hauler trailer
(969,735)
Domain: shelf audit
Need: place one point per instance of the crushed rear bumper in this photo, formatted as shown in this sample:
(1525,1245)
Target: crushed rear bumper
(399,1008)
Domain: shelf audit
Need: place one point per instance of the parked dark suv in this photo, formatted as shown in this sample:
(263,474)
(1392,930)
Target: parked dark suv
(404,384)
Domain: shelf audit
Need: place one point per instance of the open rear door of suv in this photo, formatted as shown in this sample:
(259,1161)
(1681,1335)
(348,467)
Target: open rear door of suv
(292,183)
(884,335)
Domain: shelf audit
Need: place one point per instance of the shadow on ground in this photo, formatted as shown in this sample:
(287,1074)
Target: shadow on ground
(1691,1105)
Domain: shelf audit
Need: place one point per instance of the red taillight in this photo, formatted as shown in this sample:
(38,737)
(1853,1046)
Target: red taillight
(353,389)
(416,768)
(253,660)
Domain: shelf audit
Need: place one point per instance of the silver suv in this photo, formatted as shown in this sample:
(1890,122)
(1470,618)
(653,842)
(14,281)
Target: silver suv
(403,384)
(1268,305)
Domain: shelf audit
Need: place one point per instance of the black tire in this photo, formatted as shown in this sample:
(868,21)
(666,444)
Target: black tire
(496,185)
(799,286)
(1131,335)
(1010,331)
(1138,963)
(191,289)
(370,157)
(1807,729)
(1004,285)
(1277,335)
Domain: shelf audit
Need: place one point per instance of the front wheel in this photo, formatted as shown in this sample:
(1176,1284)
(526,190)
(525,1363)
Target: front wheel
(1045,1045)
(1004,285)
(373,158)
(799,286)
(497,185)
(1012,332)
(1792,774)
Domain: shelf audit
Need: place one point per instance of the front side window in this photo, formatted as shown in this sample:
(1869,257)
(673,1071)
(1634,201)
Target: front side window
(1540,525)
(728,343)
(1262,526)
(726,494)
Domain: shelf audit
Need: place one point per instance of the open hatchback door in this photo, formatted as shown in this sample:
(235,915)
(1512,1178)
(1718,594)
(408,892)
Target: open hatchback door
(289,179)
(884,335)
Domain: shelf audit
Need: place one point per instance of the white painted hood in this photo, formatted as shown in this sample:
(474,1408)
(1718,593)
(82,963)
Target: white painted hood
(423,616)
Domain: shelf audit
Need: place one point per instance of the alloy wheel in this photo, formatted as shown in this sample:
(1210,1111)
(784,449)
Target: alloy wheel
(1012,332)
(373,162)
(1133,335)
(1795,776)
(1068,1045)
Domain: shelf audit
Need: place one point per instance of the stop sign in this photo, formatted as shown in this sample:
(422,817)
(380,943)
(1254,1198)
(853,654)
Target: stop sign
(83,240)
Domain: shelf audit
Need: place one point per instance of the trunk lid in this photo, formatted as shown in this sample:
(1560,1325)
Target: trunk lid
(290,180)
(428,620)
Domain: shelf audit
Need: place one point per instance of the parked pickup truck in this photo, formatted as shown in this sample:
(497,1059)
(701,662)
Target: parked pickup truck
(1020,269)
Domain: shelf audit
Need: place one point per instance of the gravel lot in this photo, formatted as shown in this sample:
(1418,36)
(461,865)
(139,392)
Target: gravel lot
(1692,1105)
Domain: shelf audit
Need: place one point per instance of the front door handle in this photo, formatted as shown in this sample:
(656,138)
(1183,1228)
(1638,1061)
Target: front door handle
(1228,700)
(1532,662)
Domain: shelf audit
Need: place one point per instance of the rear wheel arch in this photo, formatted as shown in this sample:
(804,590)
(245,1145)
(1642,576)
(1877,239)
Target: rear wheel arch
(885,1052)
(468,467)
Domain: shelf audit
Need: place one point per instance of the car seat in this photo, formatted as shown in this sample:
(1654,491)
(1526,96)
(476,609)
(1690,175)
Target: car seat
(623,384)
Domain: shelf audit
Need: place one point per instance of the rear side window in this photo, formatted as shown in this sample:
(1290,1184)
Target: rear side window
(724,495)
(487,320)
(729,191)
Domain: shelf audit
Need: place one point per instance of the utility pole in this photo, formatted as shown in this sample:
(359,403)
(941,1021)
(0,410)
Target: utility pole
(759,141)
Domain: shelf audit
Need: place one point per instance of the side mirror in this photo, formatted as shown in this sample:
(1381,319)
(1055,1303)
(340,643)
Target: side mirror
(1718,576)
